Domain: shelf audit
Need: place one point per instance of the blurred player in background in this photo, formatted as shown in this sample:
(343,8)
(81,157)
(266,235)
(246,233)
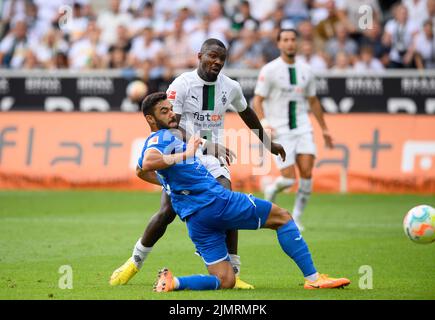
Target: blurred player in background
(200,99)
(284,94)
(209,209)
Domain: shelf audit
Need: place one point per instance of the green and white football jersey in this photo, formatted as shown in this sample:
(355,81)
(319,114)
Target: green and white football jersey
(285,88)
(202,104)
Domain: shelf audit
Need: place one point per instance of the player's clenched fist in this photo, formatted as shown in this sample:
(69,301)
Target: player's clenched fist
(278,149)
(192,146)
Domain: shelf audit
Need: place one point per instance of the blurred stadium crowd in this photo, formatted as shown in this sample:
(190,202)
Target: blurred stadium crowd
(163,35)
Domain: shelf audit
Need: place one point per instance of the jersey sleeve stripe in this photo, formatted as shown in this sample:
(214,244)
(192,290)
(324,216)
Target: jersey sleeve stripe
(155,148)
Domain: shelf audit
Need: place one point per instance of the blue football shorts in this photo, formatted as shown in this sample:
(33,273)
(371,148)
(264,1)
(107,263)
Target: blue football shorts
(207,227)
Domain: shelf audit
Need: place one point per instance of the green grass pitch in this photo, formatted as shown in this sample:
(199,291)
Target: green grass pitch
(94,232)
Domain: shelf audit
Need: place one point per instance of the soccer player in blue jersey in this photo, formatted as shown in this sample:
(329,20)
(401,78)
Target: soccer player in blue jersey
(209,209)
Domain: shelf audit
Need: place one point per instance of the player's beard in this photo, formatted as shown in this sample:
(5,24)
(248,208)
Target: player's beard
(291,55)
(213,73)
(212,77)
(208,75)
(162,125)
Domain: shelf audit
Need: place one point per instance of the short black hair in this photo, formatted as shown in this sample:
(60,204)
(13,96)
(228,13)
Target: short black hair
(151,101)
(212,42)
(286,30)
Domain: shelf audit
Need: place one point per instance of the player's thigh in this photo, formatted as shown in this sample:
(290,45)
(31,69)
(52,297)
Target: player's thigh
(244,212)
(207,236)
(232,235)
(277,217)
(166,212)
(224,181)
(224,271)
(305,154)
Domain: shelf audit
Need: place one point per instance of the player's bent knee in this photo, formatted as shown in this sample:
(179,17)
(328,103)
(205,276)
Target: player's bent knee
(283,217)
(227,281)
(306,174)
(305,171)
(225,274)
(278,218)
(166,214)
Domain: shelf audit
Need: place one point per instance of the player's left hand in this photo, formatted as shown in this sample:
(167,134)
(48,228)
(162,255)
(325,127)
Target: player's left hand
(278,149)
(328,139)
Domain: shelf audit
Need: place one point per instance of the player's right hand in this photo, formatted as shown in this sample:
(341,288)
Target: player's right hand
(278,149)
(328,139)
(220,152)
(229,155)
(192,146)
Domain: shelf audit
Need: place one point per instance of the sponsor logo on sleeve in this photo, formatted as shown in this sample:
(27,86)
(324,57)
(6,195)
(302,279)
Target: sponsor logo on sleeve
(153,140)
(172,94)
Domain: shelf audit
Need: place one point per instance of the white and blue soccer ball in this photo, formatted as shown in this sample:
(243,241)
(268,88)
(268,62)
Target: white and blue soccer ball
(419,224)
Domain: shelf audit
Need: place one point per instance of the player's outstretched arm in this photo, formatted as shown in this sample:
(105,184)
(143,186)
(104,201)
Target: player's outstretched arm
(317,110)
(250,118)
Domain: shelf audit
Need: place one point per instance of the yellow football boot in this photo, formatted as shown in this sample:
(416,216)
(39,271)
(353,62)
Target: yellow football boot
(240,284)
(124,273)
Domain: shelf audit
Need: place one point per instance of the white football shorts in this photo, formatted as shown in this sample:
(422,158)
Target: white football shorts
(215,166)
(294,145)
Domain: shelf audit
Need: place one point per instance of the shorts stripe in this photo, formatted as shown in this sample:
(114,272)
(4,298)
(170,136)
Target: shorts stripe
(216,261)
(250,199)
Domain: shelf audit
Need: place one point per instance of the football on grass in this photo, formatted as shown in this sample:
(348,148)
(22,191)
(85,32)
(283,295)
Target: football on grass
(419,224)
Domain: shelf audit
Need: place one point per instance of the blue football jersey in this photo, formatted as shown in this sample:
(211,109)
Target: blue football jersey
(189,184)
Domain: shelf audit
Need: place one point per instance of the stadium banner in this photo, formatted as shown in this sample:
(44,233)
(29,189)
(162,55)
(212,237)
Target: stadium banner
(374,152)
(409,92)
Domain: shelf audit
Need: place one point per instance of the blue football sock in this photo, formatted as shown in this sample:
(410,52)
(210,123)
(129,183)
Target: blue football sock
(199,282)
(295,247)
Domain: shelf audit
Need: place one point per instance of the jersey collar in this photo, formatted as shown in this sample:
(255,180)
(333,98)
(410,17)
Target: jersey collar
(287,64)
